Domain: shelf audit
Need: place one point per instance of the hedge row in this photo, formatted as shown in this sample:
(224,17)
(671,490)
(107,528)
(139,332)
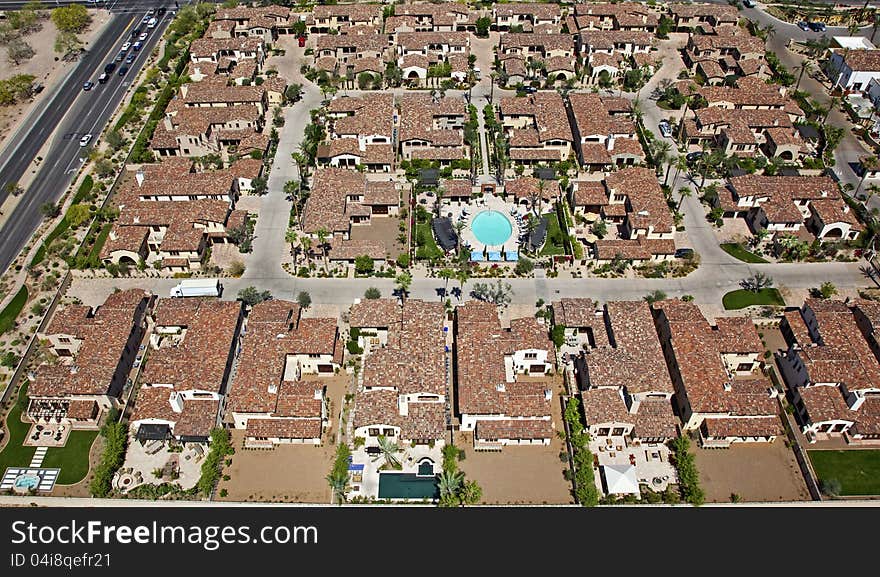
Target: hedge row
(115,437)
(220,448)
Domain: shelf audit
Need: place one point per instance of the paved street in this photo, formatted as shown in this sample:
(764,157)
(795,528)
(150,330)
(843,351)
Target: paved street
(74,113)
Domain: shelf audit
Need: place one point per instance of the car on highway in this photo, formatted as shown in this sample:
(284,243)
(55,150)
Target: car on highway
(102,79)
(126,46)
(136,46)
(803,25)
(142,37)
(111,66)
(817,26)
(130,58)
(665,129)
(122,70)
(152,23)
(162,10)
(88,85)
(135,31)
(119,57)
(692,157)
(85,139)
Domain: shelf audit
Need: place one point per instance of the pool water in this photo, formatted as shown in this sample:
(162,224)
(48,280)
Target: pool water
(491,227)
(27,481)
(407,486)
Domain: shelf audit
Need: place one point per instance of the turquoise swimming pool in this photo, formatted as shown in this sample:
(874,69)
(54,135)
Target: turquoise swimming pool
(407,486)
(491,227)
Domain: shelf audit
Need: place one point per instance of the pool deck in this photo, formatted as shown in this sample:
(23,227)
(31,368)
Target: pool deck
(368,486)
(467,211)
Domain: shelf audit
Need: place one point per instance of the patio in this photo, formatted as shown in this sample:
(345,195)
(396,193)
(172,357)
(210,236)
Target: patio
(49,434)
(651,460)
(142,459)
(365,467)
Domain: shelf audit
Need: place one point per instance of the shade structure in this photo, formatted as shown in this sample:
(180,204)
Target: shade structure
(620,479)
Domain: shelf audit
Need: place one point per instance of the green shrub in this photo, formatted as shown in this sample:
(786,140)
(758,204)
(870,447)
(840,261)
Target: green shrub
(220,448)
(115,439)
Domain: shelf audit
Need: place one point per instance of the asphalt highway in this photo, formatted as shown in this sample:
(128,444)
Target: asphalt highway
(74,112)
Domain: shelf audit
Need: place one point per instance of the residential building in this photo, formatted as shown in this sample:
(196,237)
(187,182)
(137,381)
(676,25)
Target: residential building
(720,388)
(402,394)
(95,349)
(278,395)
(602,139)
(186,370)
(497,397)
(537,128)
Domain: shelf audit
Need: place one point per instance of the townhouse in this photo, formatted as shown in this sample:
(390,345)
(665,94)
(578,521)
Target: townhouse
(831,367)
(361,132)
(620,370)
(225,51)
(647,213)
(169,216)
(729,51)
(402,394)
(537,128)
(186,370)
(551,54)
(525,16)
(532,193)
(95,349)
(427,17)
(198,132)
(785,204)
(602,139)
(720,388)
(216,92)
(278,395)
(628,16)
(264,22)
(496,398)
(341,199)
(611,49)
(341,53)
(432,129)
(325,18)
(706,18)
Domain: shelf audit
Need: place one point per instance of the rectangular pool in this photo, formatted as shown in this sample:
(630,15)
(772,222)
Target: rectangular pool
(407,486)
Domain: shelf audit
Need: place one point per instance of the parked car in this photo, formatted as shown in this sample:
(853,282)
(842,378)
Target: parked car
(817,26)
(693,156)
(805,26)
(88,85)
(529,89)
(85,139)
(684,252)
(665,129)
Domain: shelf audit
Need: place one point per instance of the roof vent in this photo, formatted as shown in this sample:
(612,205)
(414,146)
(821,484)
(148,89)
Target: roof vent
(139,177)
(727,386)
(500,387)
(319,394)
(548,394)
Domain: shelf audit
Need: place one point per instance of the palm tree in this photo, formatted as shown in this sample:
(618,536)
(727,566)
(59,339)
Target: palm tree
(661,153)
(806,66)
(672,160)
(403,281)
(459,226)
(292,237)
(323,233)
(450,483)
(389,450)
(338,484)
(462,275)
(683,192)
(305,243)
(680,165)
(704,164)
(446,274)
(872,190)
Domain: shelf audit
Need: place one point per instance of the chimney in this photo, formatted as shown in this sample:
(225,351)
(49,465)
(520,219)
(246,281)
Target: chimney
(318,394)
(548,394)
(273,388)
(139,176)
(500,387)
(727,386)
(854,400)
(609,144)
(176,401)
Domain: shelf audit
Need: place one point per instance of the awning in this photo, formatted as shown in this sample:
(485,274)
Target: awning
(621,479)
(153,432)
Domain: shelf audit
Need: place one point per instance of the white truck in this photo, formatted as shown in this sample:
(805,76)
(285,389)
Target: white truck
(198,287)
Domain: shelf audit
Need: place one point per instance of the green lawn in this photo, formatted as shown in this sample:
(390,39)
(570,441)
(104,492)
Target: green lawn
(554,244)
(742,298)
(426,245)
(736,250)
(858,471)
(72,458)
(10,313)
